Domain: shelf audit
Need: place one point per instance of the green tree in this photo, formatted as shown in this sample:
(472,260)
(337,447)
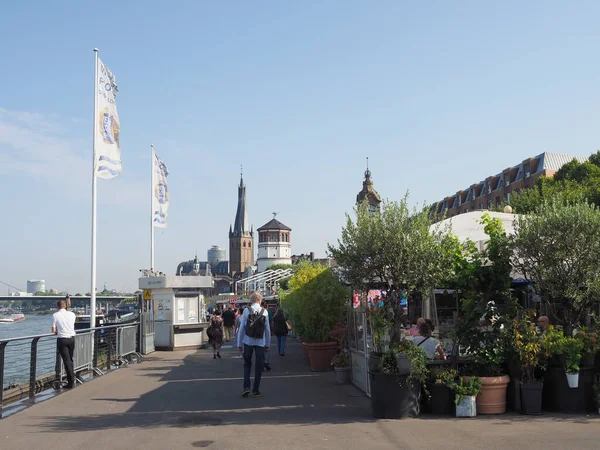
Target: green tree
(395,248)
(279,266)
(557,246)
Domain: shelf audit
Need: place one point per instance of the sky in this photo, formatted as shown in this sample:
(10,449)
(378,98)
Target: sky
(438,95)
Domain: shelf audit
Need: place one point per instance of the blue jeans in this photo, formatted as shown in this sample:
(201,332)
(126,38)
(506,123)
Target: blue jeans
(258,368)
(281,344)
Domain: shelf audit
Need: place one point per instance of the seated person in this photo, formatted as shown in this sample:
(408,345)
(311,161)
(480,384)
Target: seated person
(414,331)
(432,346)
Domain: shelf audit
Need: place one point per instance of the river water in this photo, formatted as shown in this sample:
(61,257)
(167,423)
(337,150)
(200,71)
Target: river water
(18,353)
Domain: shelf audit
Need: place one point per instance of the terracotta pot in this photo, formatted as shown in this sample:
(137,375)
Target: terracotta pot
(320,355)
(492,398)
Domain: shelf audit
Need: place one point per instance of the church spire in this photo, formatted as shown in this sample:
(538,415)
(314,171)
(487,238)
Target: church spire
(240,226)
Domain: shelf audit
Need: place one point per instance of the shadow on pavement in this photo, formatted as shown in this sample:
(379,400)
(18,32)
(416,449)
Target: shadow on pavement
(206,392)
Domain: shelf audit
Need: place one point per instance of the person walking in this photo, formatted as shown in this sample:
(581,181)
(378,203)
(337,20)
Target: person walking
(63,325)
(215,333)
(281,330)
(254,337)
(228,323)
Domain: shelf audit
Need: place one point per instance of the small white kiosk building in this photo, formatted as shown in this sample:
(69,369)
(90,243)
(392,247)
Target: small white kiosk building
(179,310)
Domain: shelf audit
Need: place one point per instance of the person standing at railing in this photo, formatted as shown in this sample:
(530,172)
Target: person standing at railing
(63,325)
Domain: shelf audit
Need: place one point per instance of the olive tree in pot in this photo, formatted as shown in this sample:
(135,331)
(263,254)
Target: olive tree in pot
(528,347)
(320,301)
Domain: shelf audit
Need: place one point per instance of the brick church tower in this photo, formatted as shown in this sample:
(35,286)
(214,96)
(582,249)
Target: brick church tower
(241,237)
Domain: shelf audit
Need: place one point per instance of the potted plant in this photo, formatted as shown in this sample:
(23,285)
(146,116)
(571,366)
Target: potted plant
(378,323)
(588,336)
(394,395)
(441,395)
(320,302)
(527,345)
(568,349)
(466,391)
(341,361)
(597,394)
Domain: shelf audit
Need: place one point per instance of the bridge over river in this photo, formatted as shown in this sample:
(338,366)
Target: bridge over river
(185,399)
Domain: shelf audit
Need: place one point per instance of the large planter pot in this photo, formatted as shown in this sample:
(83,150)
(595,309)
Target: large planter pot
(373,361)
(467,407)
(560,398)
(492,398)
(320,355)
(531,398)
(441,399)
(343,375)
(392,398)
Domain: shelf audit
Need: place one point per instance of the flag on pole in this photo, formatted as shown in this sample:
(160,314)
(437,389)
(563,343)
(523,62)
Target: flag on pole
(160,192)
(106,146)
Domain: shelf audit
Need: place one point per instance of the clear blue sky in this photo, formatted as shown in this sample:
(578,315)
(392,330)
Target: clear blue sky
(438,95)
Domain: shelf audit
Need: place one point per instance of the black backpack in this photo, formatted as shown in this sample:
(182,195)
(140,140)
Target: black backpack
(255,325)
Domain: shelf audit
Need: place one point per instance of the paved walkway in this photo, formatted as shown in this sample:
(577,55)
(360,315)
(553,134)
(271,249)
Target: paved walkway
(185,400)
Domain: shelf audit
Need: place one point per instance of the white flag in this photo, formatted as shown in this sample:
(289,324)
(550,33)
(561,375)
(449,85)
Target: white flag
(107,147)
(160,192)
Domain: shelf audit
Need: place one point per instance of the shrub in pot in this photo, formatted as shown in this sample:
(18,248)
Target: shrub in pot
(394,395)
(527,345)
(441,395)
(590,340)
(379,323)
(568,349)
(341,365)
(320,302)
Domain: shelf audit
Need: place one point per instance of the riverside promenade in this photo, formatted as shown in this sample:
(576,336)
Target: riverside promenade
(186,400)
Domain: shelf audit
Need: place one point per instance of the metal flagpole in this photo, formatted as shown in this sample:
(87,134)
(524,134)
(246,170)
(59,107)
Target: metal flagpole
(94,198)
(151,209)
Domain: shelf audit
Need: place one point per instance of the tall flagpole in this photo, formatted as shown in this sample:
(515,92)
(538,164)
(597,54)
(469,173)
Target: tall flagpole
(151,210)
(94,198)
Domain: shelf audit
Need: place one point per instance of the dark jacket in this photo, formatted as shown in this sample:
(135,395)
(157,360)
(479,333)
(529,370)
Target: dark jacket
(228,318)
(279,325)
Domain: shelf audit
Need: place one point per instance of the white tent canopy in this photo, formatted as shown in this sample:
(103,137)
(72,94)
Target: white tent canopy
(468,226)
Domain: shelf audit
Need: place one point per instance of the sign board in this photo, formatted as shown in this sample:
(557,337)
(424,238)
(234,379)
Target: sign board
(147,294)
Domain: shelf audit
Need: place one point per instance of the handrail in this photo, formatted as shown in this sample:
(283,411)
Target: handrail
(85,330)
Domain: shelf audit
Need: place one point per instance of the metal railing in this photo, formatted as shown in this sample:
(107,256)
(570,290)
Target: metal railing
(32,364)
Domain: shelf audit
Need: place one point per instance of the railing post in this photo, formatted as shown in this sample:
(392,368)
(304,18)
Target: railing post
(109,347)
(2,347)
(33,366)
(95,357)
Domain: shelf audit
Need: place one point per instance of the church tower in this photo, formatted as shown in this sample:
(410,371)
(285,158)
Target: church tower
(368,193)
(241,237)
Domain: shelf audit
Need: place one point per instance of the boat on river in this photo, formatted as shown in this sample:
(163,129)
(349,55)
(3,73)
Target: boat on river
(12,318)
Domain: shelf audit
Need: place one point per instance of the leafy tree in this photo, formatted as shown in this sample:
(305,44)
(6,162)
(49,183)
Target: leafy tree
(557,247)
(279,266)
(395,249)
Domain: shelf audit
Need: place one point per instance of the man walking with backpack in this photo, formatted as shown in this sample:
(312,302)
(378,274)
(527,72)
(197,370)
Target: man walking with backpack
(254,336)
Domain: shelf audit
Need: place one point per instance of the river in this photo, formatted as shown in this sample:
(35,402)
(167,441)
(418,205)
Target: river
(18,353)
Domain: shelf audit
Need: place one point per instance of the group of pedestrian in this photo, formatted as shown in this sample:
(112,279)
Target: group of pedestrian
(251,330)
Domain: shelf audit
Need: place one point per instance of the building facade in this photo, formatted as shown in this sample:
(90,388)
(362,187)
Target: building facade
(34,286)
(497,189)
(215,255)
(274,245)
(241,237)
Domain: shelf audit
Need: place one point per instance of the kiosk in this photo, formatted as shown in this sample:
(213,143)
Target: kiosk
(179,310)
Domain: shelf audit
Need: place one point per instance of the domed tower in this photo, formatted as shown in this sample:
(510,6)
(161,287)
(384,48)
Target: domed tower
(368,193)
(274,244)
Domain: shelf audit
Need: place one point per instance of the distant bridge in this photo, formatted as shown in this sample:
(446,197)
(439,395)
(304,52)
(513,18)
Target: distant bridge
(55,298)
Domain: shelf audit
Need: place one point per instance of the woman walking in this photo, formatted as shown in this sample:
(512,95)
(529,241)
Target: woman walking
(215,333)
(281,330)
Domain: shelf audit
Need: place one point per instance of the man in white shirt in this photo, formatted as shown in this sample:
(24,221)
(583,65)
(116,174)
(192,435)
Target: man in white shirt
(63,325)
(248,345)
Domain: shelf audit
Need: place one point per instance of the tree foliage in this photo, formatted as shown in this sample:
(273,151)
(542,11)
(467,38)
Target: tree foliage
(393,248)
(557,246)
